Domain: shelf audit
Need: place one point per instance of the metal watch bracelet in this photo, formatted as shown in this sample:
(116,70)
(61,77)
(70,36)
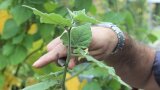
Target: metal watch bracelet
(120,35)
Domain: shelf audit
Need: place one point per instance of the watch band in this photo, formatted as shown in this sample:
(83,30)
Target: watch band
(120,35)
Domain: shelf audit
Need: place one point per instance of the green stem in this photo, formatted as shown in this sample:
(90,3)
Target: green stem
(67,60)
(77,55)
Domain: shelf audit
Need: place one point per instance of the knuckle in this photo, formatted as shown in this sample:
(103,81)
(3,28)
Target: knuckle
(48,48)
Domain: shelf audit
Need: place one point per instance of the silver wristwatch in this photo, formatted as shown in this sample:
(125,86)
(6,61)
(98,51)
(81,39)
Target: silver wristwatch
(120,35)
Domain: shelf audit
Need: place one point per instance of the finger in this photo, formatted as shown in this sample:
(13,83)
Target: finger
(100,57)
(57,52)
(98,51)
(53,43)
(72,63)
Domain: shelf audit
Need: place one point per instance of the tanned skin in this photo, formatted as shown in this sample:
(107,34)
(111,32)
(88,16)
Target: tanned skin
(133,63)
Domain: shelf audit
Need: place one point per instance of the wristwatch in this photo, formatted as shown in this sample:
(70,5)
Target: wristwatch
(119,33)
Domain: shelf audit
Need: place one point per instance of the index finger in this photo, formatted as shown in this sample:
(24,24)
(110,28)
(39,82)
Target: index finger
(57,52)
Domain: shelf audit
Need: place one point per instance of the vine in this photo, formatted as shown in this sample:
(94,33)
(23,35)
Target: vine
(68,58)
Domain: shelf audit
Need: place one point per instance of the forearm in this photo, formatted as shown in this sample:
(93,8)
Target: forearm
(133,63)
(151,84)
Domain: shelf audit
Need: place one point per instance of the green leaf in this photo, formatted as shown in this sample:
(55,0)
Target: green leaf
(51,18)
(99,63)
(46,31)
(18,56)
(80,36)
(114,84)
(5,4)
(3,61)
(81,17)
(92,86)
(18,39)
(37,2)
(21,14)
(102,65)
(93,10)
(50,6)
(152,37)
(27,41)
(45,85)
(96,72)
(83,4)
(51,75)
(82,66)
(129,19)
(156,33)
(113,17)
(2,80)
(7,49)
(10,29)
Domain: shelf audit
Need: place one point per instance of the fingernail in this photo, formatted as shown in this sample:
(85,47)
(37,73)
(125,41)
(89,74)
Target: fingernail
(35,64)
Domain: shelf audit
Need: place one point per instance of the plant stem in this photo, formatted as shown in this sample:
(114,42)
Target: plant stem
(67,60)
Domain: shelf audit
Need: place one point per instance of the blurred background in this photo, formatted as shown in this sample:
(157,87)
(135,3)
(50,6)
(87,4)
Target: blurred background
(23,38)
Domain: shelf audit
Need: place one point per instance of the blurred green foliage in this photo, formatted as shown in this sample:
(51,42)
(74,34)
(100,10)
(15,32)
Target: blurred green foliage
(23,38)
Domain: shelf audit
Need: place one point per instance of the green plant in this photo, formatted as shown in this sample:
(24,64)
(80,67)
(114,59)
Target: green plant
(23,39)
(77,37)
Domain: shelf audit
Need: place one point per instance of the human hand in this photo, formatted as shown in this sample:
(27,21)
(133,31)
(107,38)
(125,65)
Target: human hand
(103,42)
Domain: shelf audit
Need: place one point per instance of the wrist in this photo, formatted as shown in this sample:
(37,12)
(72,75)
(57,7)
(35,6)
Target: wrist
(120,35)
